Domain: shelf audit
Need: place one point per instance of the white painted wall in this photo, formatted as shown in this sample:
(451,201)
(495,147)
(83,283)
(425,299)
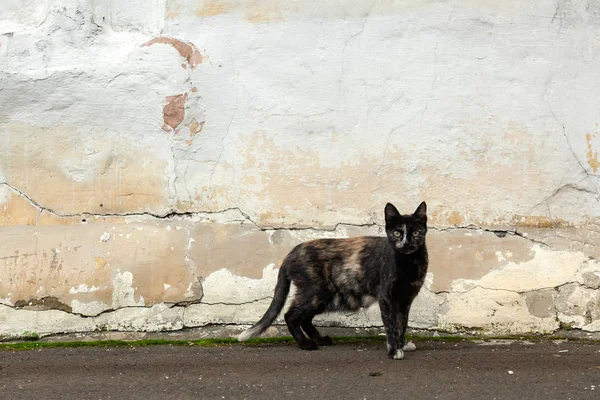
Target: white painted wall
(297,114)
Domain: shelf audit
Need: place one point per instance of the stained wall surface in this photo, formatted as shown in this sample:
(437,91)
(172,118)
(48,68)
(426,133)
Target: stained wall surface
(159,158)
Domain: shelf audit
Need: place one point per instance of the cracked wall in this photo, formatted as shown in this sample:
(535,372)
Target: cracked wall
(158,160)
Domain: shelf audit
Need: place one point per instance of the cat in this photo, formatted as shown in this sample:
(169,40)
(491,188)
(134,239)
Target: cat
(345,274)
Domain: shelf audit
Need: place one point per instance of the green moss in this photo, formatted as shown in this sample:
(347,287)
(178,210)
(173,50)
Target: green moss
(30,335)
(567,326)
(29,345)
(283,340)
(448,338)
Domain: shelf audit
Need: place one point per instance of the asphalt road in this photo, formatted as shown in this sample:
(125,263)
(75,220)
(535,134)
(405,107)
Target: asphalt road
(444,370)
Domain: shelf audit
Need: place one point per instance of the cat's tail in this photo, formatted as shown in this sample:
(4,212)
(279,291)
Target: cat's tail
(281,291)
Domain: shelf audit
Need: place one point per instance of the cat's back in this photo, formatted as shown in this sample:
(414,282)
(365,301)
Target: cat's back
(333,247)
(350,267)
(328,253)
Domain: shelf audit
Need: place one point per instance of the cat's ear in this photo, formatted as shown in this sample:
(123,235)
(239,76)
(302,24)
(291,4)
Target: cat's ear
(421,211)
(390,212)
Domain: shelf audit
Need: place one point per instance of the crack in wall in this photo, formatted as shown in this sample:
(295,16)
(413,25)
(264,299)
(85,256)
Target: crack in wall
(23,305)
(191,214)
(185,304)
(585,171)
(352,36)
(71,312)
(173,215)
(435,63)
(33,202)
(237,304)
(218,160)
(524,292)
(560,189)
(186,215)
(582,242)
(498,232)
(101,326)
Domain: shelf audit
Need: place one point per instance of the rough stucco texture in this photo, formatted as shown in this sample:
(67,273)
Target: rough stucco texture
(158,159)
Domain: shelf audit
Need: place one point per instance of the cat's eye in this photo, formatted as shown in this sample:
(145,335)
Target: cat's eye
(416,233)
(397,233)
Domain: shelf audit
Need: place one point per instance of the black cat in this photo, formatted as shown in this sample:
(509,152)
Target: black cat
(345,274)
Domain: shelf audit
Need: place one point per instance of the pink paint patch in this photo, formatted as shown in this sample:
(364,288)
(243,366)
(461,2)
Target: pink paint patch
(174,110)
(185,49)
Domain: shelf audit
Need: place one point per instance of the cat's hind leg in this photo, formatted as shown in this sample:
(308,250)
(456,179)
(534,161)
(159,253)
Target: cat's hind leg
(294,317)
(314,334)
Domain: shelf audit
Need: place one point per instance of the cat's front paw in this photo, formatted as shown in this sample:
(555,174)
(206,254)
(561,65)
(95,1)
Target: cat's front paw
(395,354)
(410,346)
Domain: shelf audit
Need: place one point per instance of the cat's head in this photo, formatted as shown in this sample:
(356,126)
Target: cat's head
(406,233)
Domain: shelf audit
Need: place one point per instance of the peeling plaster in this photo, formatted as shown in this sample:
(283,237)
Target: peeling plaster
(546,269)
(174,110)
(185,49)
(124,292)
(499,311)
(222,287)
(83,288)
(89,308)
(231,299)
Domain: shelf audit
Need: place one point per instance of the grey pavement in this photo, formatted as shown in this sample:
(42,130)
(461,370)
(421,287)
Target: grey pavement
(437,370)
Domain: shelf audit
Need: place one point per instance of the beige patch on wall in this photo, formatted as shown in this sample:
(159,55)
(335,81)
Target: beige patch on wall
(262,11)
(469,254)
(70,174)
(538,221)
(254,11)
(294,179)
(48,219)
(195,127)
(92,263)
(490,176)
(592,153)
(265,11)
(16,209)
(585,238)
(241,249)
(210,8)
(291,185)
